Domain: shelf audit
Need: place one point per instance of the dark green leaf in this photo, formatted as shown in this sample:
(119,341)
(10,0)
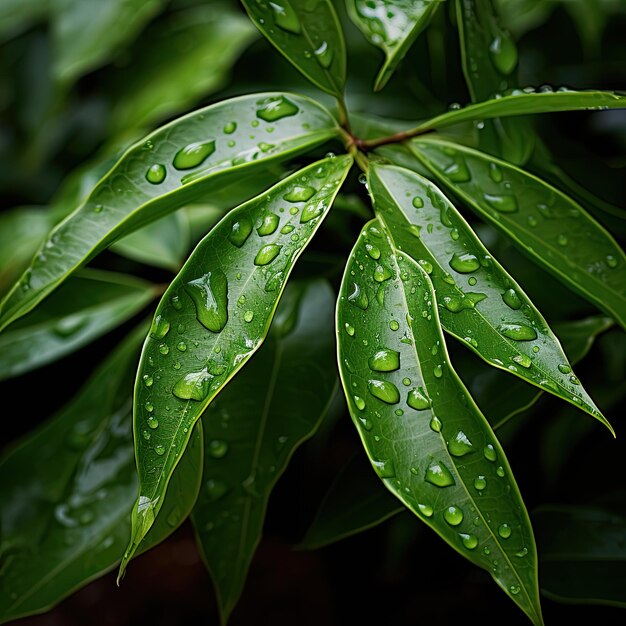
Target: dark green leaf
(583,559)
(68,488)
(15,15)
(548,226)
(214,316)
(392,26)
(255,426)
(355,502)
(479,302)
(308,34)
(213,148)
(426,438)
(86,307)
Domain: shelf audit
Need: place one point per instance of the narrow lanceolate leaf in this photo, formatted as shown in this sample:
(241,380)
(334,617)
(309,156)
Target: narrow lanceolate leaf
(67,490)
(548,226)
(524,102)
(479,302)
(254,427)
(214,316)
(86,307)
(392,26)
(583,559)
(204,151)
(308,34)
(355,502)
(426,439)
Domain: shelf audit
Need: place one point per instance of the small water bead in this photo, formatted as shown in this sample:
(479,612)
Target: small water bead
(438,371)
(97,209)
(193,155)
(275,108)
(490,453)
(426,266)
(384,468)
(457,171)
(160,327)
(399,412)
(480,483)
(263,146)
(267,254)
(435,424)
(425,509)
(218,448)
(522,553)
(500,471)
(562,240)
(286,229)
(373,251)
(503,53)
(611,261)
(453,515)
(149,406)
(230,128)
(406,381)
(517,332)
(285,17)
(418,399)
(210,297)
(472,280)
(240,231)
(511,299)
(294,210)
(156,173)
(360,403)
(439,475)
(248,316)
(454,234)
(514,589)
(384,390)
(324,55)
(177,365)
(358,297)
(146,435)
(564,368)
(501,203)
(164,349)
(393,325)
(469,541)
(385,360)
(269,224)
(504,531)
(182,346)
(495,173)
(147,380)
(464,263)
(532,221)
(159,449)
(176,303)
(153,422)
(310,212)
(300,193)
(460,445)
(349,329)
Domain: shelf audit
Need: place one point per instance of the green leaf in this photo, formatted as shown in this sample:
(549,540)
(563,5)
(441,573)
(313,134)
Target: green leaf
(427,440)
(582,554)
(392,26)
(67,490)
(479,302)
(214,316)
(83,309)
(308,34)
(253,429)
(548,226)
(165,80)
(86,33)
(524,102)
(211,149)
(355,502)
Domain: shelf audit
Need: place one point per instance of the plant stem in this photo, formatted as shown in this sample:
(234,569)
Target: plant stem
(396,138)
(343,114)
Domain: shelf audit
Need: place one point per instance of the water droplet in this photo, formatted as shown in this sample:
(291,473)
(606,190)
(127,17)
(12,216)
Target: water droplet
(418,202)
(469,541)
(501,203)
(517,332)
(495,173)
(149,406)
(263,146)
(164,349)
(97,209)
(511,299)
(439,475)
(230,128)
(611,261)
(146,435)
(218,448)
(425,510)
(193,154)
(503,53)
(210,297)
(215,489)
(564,368)
(358,297)
(426,265)
(160,327)
(435,424)
(182,346)
(522,553)
(418,399)
(523,360)
(360,403)
(269,224)
(480,483)
(285,17)
(514,589)
(500,471)
(464,263)
(490,453)
(240,231)
(438,371)
(453,515)
(153,422)
(561,240)
(504,531)
(324,55)
(385,360)
(159,449)
(393,325)
(457,171)
(460,445)
(248,316)
(275,108)
(193,386)
(286,229)
(300,193)
(147,380)
(373,251)
(384,390)
(384,468)
(155,174)
(267,254)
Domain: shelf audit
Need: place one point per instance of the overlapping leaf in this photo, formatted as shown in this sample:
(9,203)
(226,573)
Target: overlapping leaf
(479,303)
(213,148)
(551,228)
(214,316)
(67,490)
(308,34)
(425,437)
(392,26)
(254,427)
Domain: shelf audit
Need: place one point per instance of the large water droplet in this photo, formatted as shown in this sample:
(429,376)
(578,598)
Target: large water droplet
(523,360)
(358,297)
(160,327)
(511,299)
(267,254)
(495,173)
(425,509)
(384,468)
(418,399)
(153,422)
(517,332)
(324,55)
(453,515)
(269,224)
(501,203)
(285,17)
(460,445)
(503,53)
(564,368)
(385,360)
(480,483)
(469,541)
(384,390)
(300,193)
(382,273)
(156,174)
(275,108)
(464,263)
(193,386)
(360,403)
(193,154)
(373,251)
(435,424)
(439,475)
(490,453)
(210,297)
(240,231)
(504,531)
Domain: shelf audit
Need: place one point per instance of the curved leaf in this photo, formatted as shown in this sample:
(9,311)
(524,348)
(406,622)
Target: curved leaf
(194,155)
(392,26)
(427,440)
(214,316)
(308,34)
(551,228)
(86,307)
(67,490)
(255,426)
(479,303)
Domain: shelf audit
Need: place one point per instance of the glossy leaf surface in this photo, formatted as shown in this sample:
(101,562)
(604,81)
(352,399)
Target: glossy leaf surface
(392,26)
(548,226)
(308,34)
(425,437)
(210,149)
(67,490)
(479,302)
(254,427)
(214,316)
(86,307)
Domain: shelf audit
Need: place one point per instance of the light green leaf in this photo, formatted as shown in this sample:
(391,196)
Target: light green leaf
(392,26)
(253,429)
(548,226)
(308,34)
(214,316)
(86,33)
(16,15)
(479,302)
(83,309)
(355,502)
(212,149)
(67,490)
(178,62)
(425,437)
